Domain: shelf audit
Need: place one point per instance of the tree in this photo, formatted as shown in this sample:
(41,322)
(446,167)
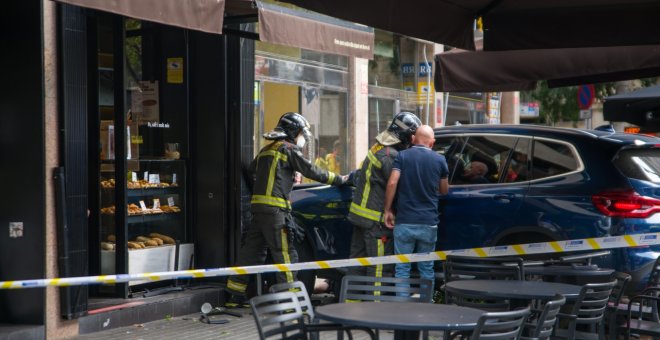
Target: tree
(560,103)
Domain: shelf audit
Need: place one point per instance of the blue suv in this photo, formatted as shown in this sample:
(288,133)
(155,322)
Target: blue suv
(522,184)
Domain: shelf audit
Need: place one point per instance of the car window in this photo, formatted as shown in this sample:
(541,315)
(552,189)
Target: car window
(484,158)
(643,164)
(517,168)
(451,147)
(552,158)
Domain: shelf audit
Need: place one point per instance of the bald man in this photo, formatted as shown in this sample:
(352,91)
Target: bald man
(476,173)
(419,176)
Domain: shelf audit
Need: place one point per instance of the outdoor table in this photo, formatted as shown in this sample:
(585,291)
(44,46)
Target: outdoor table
(569,274)
(407,319)
(511,289)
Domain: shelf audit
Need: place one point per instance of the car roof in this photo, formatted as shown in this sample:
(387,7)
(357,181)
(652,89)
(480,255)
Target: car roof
(547,131)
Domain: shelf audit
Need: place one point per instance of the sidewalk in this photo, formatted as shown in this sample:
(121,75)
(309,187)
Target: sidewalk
(189,327)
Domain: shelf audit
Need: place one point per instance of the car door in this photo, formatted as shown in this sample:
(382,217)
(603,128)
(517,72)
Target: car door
(478,208)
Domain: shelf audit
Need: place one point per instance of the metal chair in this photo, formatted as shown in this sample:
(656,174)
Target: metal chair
(313,327)
(544,321)
(391,289)
(614,306)
(279,315)
(638,325)
(497,326)
(492,268)
(589,309)
(495,268)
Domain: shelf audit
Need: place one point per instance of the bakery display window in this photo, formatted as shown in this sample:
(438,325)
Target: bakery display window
(142,207)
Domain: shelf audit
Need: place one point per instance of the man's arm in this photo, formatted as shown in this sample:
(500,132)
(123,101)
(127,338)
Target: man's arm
(390,191)
(444,186)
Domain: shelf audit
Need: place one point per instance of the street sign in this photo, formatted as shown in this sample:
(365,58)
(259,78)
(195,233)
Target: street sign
(585,114)
(585,96)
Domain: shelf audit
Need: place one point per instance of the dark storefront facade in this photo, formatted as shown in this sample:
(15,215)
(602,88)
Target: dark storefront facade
(185,98)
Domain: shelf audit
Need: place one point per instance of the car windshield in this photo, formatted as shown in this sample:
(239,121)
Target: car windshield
(642,164)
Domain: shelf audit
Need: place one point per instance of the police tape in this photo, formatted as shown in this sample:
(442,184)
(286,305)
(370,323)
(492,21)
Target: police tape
(601,243)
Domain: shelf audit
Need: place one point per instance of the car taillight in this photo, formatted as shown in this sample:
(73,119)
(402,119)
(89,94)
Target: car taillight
(625,204)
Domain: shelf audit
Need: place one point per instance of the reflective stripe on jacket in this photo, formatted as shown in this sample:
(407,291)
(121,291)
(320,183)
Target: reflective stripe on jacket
(369,194)
(274,171)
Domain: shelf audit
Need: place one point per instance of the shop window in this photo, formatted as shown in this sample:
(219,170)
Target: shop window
(381,112)
(326,111)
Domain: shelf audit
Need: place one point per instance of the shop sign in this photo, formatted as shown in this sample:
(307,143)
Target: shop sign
(175,70)
(408,70)
(631,129)
(425,69)
(408,86)
(529,109)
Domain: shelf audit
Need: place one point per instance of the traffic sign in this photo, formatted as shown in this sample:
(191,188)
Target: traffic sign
(585,96)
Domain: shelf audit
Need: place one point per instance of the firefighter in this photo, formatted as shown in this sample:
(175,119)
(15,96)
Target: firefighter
(370,236)
(273,172)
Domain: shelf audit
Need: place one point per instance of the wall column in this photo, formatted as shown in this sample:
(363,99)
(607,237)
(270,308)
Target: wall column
(510,108)
(358,110)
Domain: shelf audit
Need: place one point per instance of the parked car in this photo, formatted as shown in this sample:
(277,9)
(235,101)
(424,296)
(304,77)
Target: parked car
(540,184)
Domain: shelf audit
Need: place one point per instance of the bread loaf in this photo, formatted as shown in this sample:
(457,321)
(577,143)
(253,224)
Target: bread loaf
(158,240)
(151,243)
(107,246)
(142,239)
(112,238)
(166,239)
(134,245)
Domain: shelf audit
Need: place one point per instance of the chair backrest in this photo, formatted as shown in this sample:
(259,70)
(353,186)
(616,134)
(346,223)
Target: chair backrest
(492,268)
(622,280)
(500,325)
(278,315)
(299,289)
(545,323)
(367,288)
(592,301)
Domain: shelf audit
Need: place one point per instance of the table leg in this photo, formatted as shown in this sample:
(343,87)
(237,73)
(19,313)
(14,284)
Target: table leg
(406,335)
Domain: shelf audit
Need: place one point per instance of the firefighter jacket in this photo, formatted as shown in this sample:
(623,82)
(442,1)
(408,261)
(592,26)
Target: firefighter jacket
(274,171)
(370,183)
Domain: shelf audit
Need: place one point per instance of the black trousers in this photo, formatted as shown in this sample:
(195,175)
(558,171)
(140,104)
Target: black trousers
(267,231)
(374,240)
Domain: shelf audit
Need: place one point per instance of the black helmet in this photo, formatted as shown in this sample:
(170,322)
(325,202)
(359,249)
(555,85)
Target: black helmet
(404,125)
(291,124)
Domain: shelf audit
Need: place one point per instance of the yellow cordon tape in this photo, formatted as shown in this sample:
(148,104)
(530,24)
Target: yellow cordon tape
(600,243)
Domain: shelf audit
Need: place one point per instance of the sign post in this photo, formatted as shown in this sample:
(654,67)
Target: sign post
(585,98)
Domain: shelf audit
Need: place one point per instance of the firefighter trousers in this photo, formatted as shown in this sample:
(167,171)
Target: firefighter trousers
(375,240)
(267,231)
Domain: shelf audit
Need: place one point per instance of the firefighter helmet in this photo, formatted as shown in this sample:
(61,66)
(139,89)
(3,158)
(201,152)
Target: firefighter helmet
(291,124)
(403,126)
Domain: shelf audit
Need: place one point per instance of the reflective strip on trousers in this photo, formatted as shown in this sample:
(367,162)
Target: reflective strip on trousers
(236,286)
(285,254)
(379,267)
(367,213)
(271,200)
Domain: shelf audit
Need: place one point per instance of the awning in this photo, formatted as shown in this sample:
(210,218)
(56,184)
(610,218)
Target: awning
(200,15)
(641,107)
(507,24)
(516,70)
(277,24)
(285,26)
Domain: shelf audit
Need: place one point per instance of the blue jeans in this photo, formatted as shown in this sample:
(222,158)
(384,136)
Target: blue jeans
(415,238)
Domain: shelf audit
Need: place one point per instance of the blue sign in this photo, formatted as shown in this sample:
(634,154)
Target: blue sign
(408,69)
(425,69)
(585,96)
